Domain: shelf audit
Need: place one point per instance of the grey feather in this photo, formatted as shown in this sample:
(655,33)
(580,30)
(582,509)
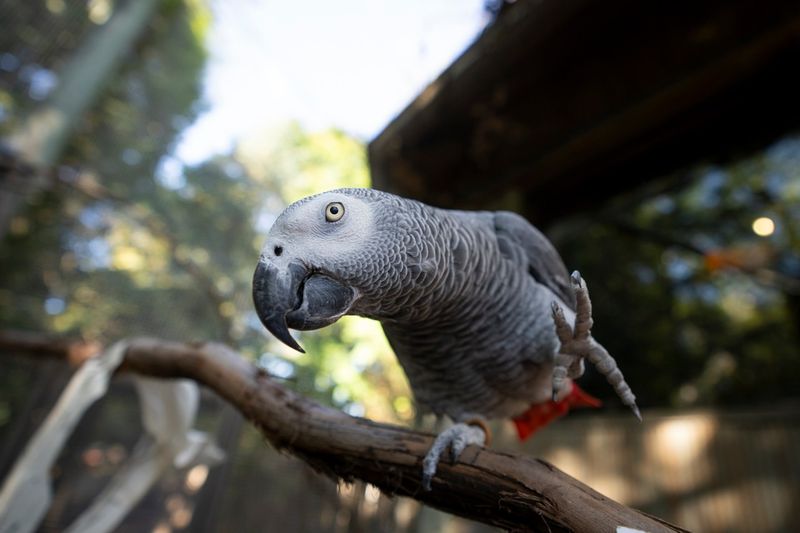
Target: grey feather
(528,245)
(464,297)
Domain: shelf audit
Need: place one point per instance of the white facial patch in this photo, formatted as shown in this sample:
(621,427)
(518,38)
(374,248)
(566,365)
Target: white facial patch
(302,231)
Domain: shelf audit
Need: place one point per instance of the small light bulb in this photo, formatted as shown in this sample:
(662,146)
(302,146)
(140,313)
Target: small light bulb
(763,226)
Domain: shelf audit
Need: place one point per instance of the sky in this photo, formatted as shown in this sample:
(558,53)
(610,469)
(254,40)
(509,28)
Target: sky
(349,64)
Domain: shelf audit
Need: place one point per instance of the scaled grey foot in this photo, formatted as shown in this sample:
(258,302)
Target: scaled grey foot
(577,343)
(454,438)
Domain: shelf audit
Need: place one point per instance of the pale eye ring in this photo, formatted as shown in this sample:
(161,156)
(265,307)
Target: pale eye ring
(334,211)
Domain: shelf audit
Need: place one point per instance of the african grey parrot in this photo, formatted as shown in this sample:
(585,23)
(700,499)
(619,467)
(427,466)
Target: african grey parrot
(476,305)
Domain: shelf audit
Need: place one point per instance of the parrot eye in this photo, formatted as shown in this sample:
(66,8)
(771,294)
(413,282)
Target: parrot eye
(334,211)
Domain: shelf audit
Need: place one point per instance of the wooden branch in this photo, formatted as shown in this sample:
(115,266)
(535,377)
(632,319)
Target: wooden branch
(510,491)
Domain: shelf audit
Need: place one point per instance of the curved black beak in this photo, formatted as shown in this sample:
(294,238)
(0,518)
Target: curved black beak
(298,299)
(275,294)
(324,301)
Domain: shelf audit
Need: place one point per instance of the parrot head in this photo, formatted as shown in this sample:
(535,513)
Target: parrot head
(315,266)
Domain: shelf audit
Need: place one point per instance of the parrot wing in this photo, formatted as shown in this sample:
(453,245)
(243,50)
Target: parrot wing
(524,244)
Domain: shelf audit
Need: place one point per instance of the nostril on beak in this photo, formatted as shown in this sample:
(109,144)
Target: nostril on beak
(278,251)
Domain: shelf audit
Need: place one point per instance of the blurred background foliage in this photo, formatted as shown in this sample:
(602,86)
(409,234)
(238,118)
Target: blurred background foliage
(699,302)
(125,242)
(696,281)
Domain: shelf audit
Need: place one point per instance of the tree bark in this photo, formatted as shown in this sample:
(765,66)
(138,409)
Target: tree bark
(510,491)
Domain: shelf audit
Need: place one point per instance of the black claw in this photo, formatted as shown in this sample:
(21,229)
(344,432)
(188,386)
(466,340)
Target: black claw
(555,394)
(576,277)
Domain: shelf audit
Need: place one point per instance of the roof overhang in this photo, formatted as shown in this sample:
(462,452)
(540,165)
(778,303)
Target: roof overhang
(580,100)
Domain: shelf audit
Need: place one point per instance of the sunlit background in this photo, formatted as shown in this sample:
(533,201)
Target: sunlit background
(166,178)
(348,65)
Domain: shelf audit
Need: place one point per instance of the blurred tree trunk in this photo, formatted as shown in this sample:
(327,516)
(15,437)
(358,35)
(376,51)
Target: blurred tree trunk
(42,137)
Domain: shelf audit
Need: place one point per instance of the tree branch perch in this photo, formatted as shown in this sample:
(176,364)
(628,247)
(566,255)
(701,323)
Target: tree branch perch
(505,490)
